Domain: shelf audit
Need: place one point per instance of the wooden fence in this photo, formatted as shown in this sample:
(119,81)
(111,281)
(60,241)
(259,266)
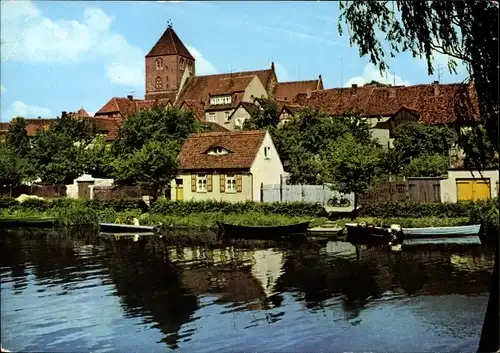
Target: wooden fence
(45,191)
(119,192)
(301,193)
(426,190)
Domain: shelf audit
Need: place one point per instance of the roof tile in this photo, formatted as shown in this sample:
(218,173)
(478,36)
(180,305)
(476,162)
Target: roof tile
(243,145)
(168,44)
(288,90)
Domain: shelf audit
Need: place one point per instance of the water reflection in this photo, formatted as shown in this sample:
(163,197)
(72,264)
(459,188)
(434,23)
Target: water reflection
(168,295)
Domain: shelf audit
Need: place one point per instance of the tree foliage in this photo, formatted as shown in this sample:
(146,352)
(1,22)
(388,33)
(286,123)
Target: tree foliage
(351,165)
(464,30)
(266,117)
(17,139)
(412,140)
(152,167)
(156,124)
(427,165)
(12,167)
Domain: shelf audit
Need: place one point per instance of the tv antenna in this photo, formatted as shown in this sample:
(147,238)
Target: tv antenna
(341,72)
(439,72)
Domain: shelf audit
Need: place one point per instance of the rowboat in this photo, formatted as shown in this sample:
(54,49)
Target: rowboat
(369,234)
(27,222)
(441,232)
(298,230)
(125,228)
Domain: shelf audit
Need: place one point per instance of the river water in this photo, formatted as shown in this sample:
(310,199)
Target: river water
(62,292)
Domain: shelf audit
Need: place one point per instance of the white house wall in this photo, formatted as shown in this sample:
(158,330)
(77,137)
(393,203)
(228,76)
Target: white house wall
(449,186)
(266,171)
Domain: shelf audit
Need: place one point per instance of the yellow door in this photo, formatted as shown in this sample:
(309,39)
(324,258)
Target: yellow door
(473,189)
(179,193)
(481,189)
(464,190)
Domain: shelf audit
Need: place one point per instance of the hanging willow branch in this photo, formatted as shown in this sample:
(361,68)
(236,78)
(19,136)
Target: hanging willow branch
(464,30)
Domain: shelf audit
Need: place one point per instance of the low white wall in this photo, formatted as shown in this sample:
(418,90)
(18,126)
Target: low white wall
(449,186)
(72,189)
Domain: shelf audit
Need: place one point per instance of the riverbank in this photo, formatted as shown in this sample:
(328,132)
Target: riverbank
(204,215)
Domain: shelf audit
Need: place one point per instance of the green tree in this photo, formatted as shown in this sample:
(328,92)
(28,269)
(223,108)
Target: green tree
(17,139)
(266,117)
(99,158)
(427,165)
(351,166)
(12,167)
(464,30)
(412,140)
(152,167)
(156,124)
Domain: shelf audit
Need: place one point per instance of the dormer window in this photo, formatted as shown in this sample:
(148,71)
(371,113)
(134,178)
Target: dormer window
(217,151)
(181,63)
(159,64)
(190,66)
(216,100)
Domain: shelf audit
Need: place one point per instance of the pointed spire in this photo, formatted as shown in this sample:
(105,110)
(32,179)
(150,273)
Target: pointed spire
(170,44)
(272,65)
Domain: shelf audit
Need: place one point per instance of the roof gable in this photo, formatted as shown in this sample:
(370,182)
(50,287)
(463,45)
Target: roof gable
(127,106)
(244,146)
(169,44)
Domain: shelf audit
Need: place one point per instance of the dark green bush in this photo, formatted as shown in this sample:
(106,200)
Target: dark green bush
(184,208)
(39,205)
(416,209)
(7,202)
(486,212)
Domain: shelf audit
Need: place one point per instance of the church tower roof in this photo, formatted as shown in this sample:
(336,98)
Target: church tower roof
(168,44)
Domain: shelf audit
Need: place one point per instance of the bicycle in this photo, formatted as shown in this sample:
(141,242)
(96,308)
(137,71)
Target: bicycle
(338,202)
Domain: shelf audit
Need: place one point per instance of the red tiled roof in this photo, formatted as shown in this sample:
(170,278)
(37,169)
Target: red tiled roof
(213,127)
(435,103)
(288,90)
(243,145)
(196,107)
(34,125)
(108,126)
(198,88)
(168,44)
(127,107)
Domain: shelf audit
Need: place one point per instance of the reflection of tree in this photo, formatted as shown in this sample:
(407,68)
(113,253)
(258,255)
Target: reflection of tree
(427,270)
(149,286)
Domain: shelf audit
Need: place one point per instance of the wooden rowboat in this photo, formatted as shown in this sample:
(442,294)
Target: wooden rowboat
(298,230)
(6,223)
(441,232)
(370,234)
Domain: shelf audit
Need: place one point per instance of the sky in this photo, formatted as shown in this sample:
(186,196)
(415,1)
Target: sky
(61,56)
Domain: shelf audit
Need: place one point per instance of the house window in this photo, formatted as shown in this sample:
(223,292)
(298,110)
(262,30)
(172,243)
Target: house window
(201,183)
(231,183)
(158,83)
(211,117)
(190,66)
(159,64)
(182,64)
(227,115)
(220,100)
(267,152)
(239,122)
(217,151)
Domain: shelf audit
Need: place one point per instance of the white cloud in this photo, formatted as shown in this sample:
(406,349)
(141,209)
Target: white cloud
(22,109)
(30,37)
(203,66)
(2,89)
(281,72)
(372,73)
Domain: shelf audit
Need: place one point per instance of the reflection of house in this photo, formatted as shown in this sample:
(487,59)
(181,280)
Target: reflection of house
(229,166)
(387,107)
(268,268)
(465,185)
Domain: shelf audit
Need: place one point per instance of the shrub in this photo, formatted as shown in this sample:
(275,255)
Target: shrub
(8,202)
(184,208)
(416,209)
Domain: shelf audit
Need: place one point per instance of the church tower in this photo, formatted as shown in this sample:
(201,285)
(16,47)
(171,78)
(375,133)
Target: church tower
(166,63)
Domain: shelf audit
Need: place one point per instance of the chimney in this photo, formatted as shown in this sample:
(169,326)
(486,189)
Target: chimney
(130,97)
(436,88)
(308,94)
(392,92)
(354,85)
